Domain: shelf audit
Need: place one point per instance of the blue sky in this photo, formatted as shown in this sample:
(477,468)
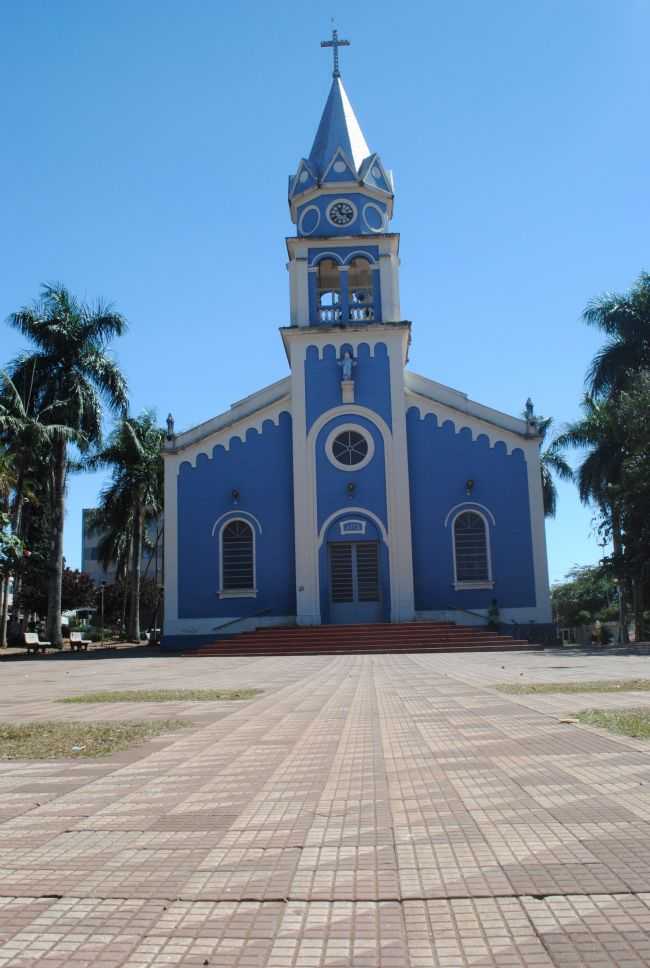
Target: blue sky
(146,158)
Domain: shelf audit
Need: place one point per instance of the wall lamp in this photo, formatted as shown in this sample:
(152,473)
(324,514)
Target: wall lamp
(351,488)
(235,495)
(469,487)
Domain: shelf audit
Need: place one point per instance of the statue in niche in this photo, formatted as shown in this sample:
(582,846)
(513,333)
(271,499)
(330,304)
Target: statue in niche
(347,362)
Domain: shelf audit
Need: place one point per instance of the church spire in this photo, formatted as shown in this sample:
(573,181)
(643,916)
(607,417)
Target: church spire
(338,128)
(340,161)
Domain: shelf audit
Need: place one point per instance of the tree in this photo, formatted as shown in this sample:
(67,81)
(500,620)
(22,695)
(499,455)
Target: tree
(613,473)
(11,546)
(71,375)
(586,595)
(27,442)
(78,589)
(7,478)
(625,318)
(553,463)
(133,498)
(150,594)
(630,496)
(600,433)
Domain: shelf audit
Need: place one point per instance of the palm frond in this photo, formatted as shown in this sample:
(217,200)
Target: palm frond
(101,323)
(107,377)
(556,462)
(549,493)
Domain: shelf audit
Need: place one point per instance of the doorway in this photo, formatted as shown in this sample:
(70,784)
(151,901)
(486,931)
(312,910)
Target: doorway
(354,582)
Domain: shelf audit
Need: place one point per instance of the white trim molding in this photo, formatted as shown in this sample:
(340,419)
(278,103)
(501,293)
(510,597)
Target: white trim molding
(301,222)
(538,531)
(341,188)
(461,584)
(170,550)
(352,526)
(237,513)
(326,254)
(343,512)
(469,506)
(461,420)
(224,436)
(358,429)
(352,335)
(307,532)
(382,217)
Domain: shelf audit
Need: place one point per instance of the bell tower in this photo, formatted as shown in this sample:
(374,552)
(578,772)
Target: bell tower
(347,347)
(343,262)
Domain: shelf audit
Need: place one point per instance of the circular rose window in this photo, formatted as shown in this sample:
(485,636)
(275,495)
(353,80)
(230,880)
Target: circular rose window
(349,448)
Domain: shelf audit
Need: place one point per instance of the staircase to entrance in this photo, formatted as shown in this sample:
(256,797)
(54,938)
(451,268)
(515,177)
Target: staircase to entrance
(367,639)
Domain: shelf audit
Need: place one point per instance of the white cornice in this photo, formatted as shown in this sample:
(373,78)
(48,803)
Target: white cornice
(420,387)
(386,242)
(370,333)
(242,415)
(341,188)
(224,436)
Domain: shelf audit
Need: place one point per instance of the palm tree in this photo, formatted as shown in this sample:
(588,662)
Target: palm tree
(112,522)
(27,442)
(625,319)
(8,477)
(27,436)
(553,463)
(135,495)
(70,375)
(7,486)
(551,460)
(598,432)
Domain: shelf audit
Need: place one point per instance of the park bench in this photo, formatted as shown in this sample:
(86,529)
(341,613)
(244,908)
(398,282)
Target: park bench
(34,644)
(78,643)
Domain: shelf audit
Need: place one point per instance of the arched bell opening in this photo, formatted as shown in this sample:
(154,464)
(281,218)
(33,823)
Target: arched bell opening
(328,292)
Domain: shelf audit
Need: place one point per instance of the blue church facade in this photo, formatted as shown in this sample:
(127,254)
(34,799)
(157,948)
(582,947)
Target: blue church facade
(354,490)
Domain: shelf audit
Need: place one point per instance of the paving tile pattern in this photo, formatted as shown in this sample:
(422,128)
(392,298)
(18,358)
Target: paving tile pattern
(387,810)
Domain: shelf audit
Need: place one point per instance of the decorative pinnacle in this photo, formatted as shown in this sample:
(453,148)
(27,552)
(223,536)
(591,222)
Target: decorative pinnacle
(335,43)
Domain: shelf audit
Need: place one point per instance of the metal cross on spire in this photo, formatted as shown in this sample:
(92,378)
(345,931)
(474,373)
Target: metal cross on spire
(335,43)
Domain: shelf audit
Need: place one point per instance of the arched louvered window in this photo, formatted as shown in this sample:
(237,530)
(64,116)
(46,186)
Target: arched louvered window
(237,557)
(471,548)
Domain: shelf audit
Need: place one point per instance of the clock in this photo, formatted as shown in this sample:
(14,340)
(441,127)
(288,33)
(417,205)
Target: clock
(341,213)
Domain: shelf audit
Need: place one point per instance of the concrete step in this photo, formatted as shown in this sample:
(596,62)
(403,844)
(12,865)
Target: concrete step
(363,639)
(361,650)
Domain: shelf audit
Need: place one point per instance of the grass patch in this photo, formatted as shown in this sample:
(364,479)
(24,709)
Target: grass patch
(56,740)
(164,695)
(626,722)
(604,685)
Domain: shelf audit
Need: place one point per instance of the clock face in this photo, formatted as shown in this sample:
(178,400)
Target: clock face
(340,213)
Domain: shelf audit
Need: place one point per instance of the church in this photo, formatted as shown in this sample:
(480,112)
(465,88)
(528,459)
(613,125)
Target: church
(353,490)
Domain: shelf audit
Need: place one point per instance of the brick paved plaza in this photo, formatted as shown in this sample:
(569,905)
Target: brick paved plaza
(362,811)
